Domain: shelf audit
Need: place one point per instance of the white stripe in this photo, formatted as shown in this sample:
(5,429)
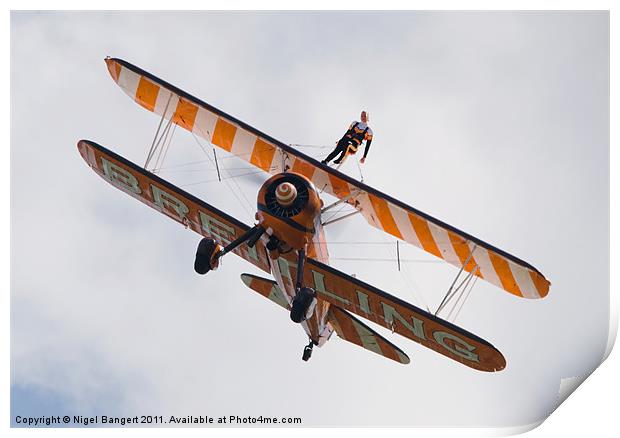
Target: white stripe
(243,144)
(204,125)
(128,81)
(523,279)
(276,161)
(442,239)
(369,341)
(486,267)
(401,217)
(368,211)
(321,181)
(162,101)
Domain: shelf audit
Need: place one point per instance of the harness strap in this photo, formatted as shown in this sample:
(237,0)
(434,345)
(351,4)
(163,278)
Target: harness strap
(354,136)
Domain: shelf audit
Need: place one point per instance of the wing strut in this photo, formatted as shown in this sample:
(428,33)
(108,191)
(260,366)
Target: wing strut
(340,218)
(451,290)
(157,140)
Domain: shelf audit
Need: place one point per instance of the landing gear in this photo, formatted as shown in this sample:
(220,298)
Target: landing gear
(307,352)
(209,251)
(273,243)
(305,298)
(302,303)
(207,248)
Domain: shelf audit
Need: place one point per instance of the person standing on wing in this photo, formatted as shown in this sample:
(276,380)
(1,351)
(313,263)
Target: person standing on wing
(352,139)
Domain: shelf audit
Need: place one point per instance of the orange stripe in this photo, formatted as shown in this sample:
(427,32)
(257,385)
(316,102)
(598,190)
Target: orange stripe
(420,226)
(262,154)
(387,349)
(348,331)
(385,215)
(333,320)
(541,283)
(224,134)
(146,94)
(303,167)
(340,187)
(114,68)
(462,250)
(185,114)
(262,287)
(505,274)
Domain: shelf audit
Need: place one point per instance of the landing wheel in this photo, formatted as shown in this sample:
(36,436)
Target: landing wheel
(272,243)
(307,352)
(204,254)
(301,302)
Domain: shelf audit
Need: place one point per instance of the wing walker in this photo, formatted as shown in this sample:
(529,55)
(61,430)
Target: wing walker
(288,238)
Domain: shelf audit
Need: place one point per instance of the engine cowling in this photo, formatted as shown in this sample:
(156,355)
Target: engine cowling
(288,205)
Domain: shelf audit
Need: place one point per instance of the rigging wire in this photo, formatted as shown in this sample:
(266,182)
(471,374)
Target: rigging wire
(458,299)
(207,169)
(164,149)
(466,297)
(334,213)
(451,292)
(155,142)
(227,181)
(377,259)
(168,148)
(222,179)
(312,146)
(360,169)
(410,284)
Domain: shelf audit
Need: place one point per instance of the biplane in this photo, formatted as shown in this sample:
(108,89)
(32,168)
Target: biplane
(288,238)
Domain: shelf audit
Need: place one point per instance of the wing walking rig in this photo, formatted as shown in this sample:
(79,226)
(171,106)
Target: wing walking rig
(288,240)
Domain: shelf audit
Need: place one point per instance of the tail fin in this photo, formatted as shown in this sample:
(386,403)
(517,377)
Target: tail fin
(353,330)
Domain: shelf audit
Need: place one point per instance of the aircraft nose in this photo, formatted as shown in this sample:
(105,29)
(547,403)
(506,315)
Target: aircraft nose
(286,193)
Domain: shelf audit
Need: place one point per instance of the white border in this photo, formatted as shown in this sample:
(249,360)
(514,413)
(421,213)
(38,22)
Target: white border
(593,408)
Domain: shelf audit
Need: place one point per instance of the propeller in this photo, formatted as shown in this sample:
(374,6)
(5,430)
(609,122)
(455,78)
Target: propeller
(287,196)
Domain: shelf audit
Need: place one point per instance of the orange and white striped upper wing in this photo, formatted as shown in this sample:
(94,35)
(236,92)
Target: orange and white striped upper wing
(422,230)
(380,210)
(196,116)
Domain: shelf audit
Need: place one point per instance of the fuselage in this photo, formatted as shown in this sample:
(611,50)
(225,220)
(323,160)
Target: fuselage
(317,327)
(296,225)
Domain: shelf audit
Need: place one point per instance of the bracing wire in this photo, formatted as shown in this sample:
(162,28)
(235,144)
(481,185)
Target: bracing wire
(155,142)
(466,297)
(334,213)
(207,169)
(311,146)
(409,282)
(377,259)
(452,291)
(458,299)
(222,179)
(168,148)
(164,148)
(228,180)
(360,169)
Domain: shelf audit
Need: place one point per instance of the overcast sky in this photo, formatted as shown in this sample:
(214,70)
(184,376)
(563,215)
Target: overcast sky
(496,123)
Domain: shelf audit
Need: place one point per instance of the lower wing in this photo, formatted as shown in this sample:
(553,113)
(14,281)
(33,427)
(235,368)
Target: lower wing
(172,201)
(407,320)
